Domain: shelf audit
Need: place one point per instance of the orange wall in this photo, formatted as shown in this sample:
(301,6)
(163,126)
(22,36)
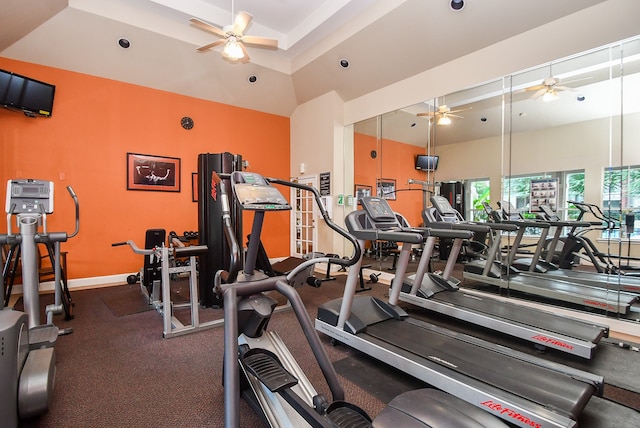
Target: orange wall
(94,123)
(399,167)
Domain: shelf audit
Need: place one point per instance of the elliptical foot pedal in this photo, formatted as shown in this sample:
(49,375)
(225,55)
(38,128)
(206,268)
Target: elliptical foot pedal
(345,414)
(266,366)
(43,336)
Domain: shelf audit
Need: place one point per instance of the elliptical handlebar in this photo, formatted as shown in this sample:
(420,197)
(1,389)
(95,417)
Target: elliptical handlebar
(595,210)
(77,205)
(356,247)
(234,247)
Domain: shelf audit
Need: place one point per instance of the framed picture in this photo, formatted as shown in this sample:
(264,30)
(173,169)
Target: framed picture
(386,188)
(194,187)
(157,173)
(361,191)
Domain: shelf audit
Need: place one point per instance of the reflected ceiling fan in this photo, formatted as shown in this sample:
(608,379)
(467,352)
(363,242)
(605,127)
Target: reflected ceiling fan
(548,89)
(233,37)
(443,114)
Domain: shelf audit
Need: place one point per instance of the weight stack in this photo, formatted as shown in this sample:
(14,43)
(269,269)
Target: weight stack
(210,227)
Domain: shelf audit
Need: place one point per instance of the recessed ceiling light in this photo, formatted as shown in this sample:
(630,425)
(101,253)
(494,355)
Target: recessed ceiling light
(581,98)
(344,63)
(124,43)
(252,79)
(413,124)
(457,4)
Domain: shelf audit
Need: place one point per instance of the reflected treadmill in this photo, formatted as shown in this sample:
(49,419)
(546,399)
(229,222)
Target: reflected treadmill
(575,291)
(521,389)
(611,281)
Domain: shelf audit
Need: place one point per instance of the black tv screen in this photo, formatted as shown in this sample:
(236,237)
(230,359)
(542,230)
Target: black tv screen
(25,94)
(426,162)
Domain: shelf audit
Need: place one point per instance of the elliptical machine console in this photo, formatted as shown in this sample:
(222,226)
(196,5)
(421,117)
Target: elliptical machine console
(255,193)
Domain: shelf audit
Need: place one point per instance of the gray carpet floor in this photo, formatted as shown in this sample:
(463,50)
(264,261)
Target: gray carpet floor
(116,370)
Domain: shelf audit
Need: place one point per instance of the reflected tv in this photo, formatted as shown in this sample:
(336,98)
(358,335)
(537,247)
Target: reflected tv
(427,162)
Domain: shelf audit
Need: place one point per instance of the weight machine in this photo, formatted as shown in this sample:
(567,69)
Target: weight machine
(155,283)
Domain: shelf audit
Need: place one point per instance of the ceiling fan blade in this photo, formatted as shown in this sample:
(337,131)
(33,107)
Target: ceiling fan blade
(455,115)
(565,88)
(263,41)
(535,88)
(540,93)
(208,27)
(245,58)
(241,22)
(426,114)
(210,45)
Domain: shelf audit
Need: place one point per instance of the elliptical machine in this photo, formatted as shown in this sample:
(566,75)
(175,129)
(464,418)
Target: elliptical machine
(27,366)
(272,382)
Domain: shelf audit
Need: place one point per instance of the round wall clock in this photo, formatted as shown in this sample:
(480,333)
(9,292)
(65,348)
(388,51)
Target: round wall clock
(186,122)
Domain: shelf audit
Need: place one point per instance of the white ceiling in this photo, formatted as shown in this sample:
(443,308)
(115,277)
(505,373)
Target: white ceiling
(385,41)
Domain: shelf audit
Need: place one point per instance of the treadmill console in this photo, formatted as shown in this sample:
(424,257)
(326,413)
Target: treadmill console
(255,193)
(548,213)
(444,208)
(379,213)
(29,196)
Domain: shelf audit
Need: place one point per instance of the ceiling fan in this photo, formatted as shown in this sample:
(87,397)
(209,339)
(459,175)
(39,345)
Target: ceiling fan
(548,89)
(443,114)
(233,37)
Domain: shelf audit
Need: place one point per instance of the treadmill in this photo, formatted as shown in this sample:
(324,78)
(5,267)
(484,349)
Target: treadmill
(440,293)
(615,281)
(524,390)
(491,271)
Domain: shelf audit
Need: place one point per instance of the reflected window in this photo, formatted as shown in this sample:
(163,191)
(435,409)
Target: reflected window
(528,193)
(478,195)
(621,201)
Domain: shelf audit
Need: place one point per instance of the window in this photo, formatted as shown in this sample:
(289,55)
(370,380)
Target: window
(621,199)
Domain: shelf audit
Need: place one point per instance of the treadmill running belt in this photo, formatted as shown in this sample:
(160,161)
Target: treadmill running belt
(522,314)
(547,388)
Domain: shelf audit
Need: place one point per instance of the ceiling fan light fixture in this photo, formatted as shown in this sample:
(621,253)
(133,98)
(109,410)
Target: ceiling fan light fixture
(444,120)
(232,50)
(550,95)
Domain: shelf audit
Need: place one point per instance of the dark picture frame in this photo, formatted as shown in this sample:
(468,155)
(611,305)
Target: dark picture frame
(361,191)
(153,173)
(194,187)
(386,188)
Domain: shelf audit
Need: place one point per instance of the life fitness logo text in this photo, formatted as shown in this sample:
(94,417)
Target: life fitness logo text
(499,408)
(552,341)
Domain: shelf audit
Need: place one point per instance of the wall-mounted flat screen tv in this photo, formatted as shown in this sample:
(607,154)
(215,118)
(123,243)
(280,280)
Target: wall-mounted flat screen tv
(427,162)
(22,93)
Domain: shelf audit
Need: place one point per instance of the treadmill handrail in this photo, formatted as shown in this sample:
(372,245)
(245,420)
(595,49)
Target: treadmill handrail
(528,223)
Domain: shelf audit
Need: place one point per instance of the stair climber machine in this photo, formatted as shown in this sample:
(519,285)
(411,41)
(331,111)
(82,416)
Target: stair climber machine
(524,390)
(440,293)
(272,381)
(27,360)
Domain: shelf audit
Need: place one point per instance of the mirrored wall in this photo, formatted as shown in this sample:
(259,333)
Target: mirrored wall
(558,142)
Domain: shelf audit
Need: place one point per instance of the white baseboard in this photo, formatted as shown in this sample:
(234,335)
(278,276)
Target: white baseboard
(80,283)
